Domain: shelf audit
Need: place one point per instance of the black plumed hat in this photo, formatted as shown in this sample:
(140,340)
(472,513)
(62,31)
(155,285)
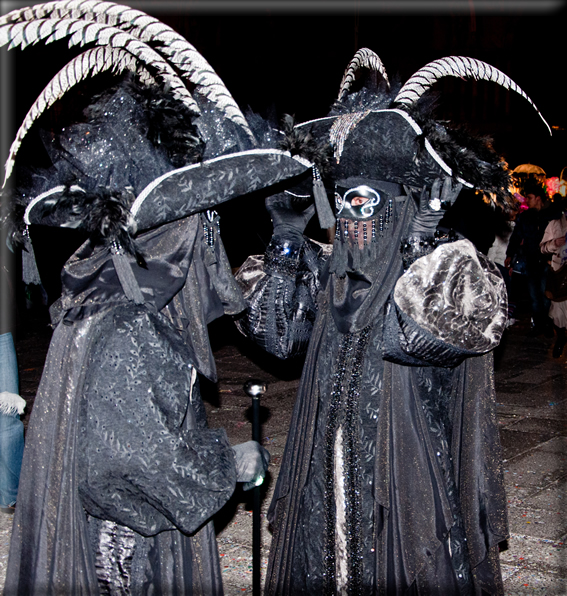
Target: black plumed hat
(383,135)
(169,144)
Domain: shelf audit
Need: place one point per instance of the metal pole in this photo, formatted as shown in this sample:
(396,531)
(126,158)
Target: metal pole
(255,389)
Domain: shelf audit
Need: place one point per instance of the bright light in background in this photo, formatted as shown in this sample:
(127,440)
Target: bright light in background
(556,185)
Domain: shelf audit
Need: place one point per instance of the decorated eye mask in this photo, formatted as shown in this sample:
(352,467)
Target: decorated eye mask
(360,202)
(360,199)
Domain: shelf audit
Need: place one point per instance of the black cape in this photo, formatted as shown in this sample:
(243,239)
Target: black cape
(390,480)
(120,474)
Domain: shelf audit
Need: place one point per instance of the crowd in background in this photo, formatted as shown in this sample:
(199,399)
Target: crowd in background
(530,248)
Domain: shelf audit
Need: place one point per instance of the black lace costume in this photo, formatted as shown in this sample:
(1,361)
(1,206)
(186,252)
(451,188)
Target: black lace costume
(385,390)
(391,480)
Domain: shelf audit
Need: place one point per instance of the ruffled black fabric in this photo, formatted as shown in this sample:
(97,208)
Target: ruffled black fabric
(281,292)
(405,342)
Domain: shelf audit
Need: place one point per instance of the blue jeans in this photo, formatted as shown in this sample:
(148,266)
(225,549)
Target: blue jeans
(537,276)
(11,427)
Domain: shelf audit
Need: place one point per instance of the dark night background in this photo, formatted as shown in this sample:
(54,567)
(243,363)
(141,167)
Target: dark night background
(290,57)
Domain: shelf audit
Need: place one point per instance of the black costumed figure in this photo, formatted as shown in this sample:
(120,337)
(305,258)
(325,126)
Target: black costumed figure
(121,474)
(390,481)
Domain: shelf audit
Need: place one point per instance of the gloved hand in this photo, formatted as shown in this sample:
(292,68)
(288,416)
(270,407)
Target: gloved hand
(289,222)
(251,463)
(432,206)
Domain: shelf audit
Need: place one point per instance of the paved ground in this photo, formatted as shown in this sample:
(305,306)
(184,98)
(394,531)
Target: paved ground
(532,414)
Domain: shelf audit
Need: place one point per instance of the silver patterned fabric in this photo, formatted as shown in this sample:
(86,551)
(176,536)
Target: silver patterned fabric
(118,430)
(456,294)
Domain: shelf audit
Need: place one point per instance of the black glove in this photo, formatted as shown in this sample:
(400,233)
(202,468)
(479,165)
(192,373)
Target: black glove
(432,207)
(289,217)
(251,463)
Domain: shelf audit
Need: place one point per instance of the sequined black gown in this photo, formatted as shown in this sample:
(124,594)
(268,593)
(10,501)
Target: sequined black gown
(121,474)
(390,481)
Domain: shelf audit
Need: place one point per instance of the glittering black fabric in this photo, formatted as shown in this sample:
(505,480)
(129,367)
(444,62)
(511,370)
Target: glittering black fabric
(423,496)
(281,292)
(335,411)
(120,473)
(343,413)
(146,459)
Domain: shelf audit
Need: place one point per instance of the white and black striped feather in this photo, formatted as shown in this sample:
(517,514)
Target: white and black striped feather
(456,66)
(181,54)
(364,58)
(83,32)
(88,63)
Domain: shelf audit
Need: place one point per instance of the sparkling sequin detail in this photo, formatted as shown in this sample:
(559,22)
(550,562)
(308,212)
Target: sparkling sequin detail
(341,129)
(332,424)
(282,258)
(344,411)
(414,248)
(352,468)
(210,227)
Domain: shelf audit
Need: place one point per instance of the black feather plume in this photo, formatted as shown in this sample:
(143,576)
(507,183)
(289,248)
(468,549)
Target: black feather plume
(168,123)
(301,141)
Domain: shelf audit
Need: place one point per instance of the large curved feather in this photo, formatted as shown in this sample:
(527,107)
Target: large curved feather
(91,62)
(364,58)
(83,32)
(172,45)
(456,66)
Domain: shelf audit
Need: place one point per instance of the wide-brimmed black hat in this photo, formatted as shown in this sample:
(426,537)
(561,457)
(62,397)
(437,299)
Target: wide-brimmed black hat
(379,135)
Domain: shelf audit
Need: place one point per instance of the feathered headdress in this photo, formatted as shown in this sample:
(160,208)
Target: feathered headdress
(172,143)
(382,134)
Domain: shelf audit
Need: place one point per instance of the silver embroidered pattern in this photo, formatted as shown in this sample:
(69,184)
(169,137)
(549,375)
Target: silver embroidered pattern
(341,129)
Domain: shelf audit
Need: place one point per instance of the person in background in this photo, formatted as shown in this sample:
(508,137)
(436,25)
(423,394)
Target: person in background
(497,254)
(11,427)
(11,404)
(524,244)
(554,243)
